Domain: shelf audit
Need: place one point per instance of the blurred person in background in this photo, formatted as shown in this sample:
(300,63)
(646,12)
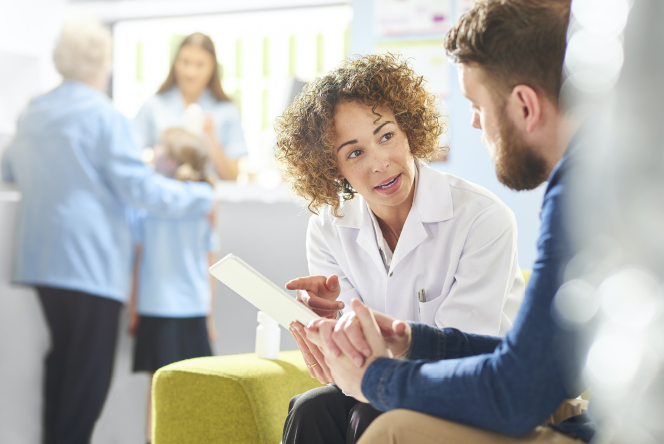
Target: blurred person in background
(78,167)
(447,385)
(192,97)
(408,240)
(173,294)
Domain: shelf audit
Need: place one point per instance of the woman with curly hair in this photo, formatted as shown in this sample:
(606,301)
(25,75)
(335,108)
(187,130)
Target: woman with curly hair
(407,240)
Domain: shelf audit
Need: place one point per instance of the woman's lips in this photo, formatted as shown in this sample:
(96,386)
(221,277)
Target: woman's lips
(390,186)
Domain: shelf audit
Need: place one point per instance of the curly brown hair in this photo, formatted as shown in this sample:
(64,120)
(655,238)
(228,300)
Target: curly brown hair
(305,131)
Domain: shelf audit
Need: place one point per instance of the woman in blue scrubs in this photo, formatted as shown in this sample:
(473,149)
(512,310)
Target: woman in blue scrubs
(194,80)
(78,167)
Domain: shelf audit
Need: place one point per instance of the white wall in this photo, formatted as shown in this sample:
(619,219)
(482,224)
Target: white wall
(27,33)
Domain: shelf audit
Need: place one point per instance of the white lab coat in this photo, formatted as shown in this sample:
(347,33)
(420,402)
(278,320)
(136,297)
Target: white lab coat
(459,244)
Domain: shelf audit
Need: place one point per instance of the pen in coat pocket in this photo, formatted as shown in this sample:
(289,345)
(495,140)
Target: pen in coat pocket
(420,296)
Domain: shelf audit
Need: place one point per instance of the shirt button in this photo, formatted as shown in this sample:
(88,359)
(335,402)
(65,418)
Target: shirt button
(391,274)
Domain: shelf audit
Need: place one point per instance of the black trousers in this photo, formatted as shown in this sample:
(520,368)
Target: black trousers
(326,415)
(79,365)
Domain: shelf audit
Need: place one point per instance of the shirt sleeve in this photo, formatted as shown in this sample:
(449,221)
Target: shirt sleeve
(144,127)
(138,186)
(511,390)
(230,133)
(322,261)
(486,275)
(136,222)
(433,343)
(213,241)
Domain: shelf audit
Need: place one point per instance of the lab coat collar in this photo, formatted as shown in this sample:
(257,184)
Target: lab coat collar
(433,197)
(432,202)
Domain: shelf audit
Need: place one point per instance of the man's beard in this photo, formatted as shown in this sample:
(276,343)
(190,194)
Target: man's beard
(517,165)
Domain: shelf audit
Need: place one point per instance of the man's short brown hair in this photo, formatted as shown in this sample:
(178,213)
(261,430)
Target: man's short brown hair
(515,42)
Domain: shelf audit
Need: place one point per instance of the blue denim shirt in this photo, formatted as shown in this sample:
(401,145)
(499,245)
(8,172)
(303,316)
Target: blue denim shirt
(76,162)
(508,385)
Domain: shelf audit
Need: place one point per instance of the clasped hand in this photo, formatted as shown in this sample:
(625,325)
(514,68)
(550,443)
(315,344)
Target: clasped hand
(344,348)
(320,295)
(352,343)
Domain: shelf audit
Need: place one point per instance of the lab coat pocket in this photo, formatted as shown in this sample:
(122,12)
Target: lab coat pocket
(428,310)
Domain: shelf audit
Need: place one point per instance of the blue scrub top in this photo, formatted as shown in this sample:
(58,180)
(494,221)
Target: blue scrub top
(77,165)
(173,278)
(166,110)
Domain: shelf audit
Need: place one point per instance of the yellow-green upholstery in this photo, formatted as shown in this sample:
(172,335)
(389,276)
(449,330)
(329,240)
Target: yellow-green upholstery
(227,399)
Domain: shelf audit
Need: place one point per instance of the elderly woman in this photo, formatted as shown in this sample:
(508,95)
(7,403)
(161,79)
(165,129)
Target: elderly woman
(194,80)
(78,167)
(407,240)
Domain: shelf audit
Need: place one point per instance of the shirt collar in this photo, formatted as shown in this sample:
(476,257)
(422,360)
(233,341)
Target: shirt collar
(205,98)
(571,153)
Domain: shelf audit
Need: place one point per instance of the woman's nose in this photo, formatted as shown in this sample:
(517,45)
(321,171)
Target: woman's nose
(380,162)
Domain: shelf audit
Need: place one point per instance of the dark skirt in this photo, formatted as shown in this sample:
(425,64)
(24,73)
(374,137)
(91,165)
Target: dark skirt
(162,341)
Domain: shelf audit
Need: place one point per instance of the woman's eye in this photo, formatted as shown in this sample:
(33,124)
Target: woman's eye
(387,137)
(354,153)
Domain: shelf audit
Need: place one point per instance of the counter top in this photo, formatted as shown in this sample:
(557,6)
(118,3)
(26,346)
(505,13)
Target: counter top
(225,191)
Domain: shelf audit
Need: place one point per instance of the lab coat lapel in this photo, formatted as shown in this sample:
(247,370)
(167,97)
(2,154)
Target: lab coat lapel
(366,239)
(432,203)
(356,216)
(412,235)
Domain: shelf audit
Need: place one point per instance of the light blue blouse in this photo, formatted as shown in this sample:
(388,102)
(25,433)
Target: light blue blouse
(174,281)
(166,110)
(77,164)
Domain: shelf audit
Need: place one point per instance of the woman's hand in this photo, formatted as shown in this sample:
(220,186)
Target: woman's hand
(347,337)
(208,128)
(319,294)
(226,168)
(312,355)
(348,375)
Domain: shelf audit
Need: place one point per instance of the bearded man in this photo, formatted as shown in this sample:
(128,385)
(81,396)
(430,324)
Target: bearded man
(444,385)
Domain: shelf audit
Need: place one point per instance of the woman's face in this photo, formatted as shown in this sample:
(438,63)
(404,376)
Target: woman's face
(193,69)
(374,155)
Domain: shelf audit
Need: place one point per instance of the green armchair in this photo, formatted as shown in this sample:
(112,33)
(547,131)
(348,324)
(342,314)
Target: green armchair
(227,399)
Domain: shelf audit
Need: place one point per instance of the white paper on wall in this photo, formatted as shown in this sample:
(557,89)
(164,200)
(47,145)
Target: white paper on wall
(411,17)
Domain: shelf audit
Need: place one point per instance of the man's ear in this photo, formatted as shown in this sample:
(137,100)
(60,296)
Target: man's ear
(527,107)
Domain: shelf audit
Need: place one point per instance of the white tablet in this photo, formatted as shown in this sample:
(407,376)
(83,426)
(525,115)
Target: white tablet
(260,291)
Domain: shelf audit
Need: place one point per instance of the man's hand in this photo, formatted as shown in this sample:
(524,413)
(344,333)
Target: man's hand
(348,338)
(312,355)
(319,294)
(348,375)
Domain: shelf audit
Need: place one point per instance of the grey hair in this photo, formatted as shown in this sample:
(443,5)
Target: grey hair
(83,49)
